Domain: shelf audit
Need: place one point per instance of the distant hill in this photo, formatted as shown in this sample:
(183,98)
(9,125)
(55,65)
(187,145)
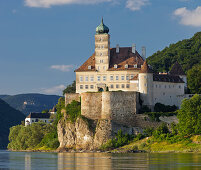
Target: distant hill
(187,52)
(27,103)
(8,117)
(2,96)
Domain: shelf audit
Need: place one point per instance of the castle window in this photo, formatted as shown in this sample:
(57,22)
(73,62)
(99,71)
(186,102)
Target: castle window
(127,77)
(104,68)
(145,77)
(165,86)
(101,38)
(122,86)
(81,86)
(145,85)
(91,86)
(86,78)
(117,77)
(32,120)
(179,86)
(92,78)
(99,78)
(111,78)
(127,86)
(122,77)
(115,66)
(159,86)
(132,76)
(104,78)
(126,66)
(98,68)
(81,78)
(89,67)
(163,94)
(117,86)
(156,85)
(169,86)
(111,86)
(86,86)
(135,65)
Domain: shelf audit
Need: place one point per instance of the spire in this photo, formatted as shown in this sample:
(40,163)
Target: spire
(145,68)
(102,28)
(176,69)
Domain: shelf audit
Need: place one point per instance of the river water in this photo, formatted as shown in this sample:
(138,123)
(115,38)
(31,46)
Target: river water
(98,161)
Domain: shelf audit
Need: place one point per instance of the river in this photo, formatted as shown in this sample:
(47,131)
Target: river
(98,161)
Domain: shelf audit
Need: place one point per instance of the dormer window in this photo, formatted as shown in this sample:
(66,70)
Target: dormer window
(135,65)
(126,66)
(89,67)
(115,66)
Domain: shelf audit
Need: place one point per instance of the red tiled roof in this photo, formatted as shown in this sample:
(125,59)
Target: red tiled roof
(176,69)
(167,78)
(145,68)
(125,56)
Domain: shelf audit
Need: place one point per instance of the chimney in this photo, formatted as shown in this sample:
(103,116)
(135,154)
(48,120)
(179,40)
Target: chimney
(144,52)
(117,48)
(133,48)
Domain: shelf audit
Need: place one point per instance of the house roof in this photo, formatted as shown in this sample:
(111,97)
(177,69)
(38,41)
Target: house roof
(145,68)
(176,69)
(167,78)
(125,56)
(39,115)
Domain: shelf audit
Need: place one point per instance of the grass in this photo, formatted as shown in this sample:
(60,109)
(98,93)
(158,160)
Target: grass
(150,145)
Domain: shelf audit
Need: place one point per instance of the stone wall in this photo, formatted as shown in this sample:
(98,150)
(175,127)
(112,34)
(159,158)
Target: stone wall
(119,107)
(91,105)
(69,97)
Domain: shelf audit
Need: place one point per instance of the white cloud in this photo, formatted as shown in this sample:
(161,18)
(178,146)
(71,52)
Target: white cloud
(49,3)
(64,68)
(136,5)
(189,17)
(54,90)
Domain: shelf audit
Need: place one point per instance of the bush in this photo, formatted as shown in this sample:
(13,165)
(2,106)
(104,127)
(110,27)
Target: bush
(119,140)
(144,109)
(164,108)
(73,110)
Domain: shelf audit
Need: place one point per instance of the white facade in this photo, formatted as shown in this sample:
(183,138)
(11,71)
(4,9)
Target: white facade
(29,121)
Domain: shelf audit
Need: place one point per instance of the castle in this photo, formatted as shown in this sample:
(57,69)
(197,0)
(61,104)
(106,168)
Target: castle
(124,69)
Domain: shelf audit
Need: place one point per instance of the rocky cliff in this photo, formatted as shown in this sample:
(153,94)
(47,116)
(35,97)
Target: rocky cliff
(83,133)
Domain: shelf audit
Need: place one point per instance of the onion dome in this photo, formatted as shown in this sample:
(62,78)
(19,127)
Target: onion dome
(102,28)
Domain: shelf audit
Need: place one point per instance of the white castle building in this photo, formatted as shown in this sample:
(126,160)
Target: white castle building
(123,68)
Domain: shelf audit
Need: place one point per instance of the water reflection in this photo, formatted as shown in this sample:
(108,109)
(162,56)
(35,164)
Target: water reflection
(101,161)
(98,161)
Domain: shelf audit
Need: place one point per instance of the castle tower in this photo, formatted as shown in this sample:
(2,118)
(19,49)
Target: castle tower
(178,71)
(102,48)
(146,85)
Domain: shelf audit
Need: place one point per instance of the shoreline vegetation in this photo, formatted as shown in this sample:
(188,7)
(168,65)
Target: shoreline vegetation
(183,137)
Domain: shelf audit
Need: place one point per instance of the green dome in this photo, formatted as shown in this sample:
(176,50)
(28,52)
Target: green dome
(102,28)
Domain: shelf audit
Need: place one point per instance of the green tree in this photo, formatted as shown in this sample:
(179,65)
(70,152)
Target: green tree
(73,110)
(190,116)
(194,79)
(70,88)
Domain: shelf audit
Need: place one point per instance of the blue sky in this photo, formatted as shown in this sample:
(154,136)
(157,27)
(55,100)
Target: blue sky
(43,41)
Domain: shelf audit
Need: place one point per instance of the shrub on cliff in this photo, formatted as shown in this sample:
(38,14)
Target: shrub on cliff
(73,110)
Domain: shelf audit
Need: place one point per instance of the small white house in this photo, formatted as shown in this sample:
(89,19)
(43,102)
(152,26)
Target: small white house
(37,117)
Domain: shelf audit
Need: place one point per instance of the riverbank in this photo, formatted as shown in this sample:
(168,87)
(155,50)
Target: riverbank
(148,145)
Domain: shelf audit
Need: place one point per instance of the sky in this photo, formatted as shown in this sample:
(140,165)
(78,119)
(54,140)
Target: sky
(42,42)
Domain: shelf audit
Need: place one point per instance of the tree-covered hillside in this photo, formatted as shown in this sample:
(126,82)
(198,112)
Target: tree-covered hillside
(186,52)
(8,117)
(27,103)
